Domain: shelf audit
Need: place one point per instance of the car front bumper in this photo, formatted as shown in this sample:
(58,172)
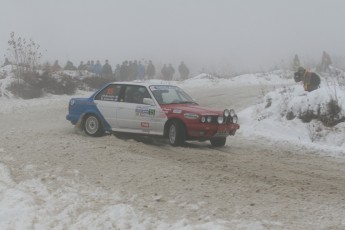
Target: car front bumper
(207,131)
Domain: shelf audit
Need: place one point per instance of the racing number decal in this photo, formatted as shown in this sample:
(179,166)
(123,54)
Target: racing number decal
(110,91)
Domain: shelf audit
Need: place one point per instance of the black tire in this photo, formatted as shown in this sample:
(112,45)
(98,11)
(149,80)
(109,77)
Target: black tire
(218,142)
(176,133)
(93,126)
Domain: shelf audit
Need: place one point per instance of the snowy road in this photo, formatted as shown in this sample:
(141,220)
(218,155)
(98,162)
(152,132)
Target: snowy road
(64,179)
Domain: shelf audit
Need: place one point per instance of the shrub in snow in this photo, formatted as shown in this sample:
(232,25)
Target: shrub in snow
(307,116)
(25,90)
(95,82)
(34,85)
(290,115)
(333,115)
(63,85)
(324,105)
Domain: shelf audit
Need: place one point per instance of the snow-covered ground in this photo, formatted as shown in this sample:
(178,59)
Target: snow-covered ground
(268,117)
(31,204)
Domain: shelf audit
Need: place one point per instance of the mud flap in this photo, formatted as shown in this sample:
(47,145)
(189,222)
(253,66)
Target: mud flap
(79,125)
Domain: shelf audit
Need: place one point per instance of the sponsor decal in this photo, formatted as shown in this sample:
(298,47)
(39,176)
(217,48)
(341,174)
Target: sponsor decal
(166,110)
(145,125)
(109,98)
(152,112)
(178,111)
(191,116)
(144,111)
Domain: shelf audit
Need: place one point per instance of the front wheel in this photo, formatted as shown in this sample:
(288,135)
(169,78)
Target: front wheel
(93,126)
(177,133)
(218,142)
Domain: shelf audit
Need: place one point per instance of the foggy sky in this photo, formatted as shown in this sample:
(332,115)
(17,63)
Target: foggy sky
(225,34)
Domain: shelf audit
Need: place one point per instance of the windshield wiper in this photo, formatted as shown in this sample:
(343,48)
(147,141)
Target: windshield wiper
(181,102)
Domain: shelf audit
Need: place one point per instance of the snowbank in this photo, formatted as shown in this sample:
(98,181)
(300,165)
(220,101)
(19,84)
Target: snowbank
(277,118)
(33,204)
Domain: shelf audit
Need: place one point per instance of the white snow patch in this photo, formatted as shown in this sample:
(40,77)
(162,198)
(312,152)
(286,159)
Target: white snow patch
(31,204)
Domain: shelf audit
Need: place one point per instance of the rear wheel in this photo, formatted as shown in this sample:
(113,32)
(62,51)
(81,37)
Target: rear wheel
(176,133)
(218,142)
(92,126)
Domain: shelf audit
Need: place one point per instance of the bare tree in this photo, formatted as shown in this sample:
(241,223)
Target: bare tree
(25,55)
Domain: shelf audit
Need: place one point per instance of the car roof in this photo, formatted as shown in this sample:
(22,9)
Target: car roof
(142,83)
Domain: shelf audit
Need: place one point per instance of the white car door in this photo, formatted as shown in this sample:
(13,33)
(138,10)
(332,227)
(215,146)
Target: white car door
(107,103)
(135,116)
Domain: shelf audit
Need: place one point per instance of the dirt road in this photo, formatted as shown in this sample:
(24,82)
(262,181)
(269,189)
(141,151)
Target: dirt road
(276,184)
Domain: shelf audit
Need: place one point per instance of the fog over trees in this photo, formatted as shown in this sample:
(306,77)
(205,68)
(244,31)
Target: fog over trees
(221,35)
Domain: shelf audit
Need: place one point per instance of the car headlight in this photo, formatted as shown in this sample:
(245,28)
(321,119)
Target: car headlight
(220,120)
(235,119)
(232,112)
(226,112)
(203,119)
(209,119)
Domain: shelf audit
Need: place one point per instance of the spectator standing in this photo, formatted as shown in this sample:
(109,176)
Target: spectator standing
(97,69)
(124,71)
(133,70)
(183,70)
(165,72)
(141,71)
(56,66)
(107,71)
(88,66)
(150,70)
(117,72)
(81,66)
(69,66)
(171,72)
(91,67)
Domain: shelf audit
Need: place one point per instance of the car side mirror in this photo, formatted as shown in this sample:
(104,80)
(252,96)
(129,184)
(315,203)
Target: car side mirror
(148,101)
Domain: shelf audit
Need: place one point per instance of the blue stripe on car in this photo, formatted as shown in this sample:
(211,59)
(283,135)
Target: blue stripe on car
(83,106)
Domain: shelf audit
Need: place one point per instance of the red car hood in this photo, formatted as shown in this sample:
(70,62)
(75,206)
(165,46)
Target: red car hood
(190,108)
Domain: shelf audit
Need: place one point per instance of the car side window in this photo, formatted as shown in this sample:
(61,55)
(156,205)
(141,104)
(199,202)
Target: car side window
(109,93)
(136,94)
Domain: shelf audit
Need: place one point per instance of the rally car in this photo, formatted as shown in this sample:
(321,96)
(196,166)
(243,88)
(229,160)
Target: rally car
(151,109)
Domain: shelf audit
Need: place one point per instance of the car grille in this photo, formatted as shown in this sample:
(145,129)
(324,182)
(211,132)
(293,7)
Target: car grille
(227,120)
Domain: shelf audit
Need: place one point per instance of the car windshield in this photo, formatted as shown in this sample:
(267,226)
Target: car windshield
(167,94)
